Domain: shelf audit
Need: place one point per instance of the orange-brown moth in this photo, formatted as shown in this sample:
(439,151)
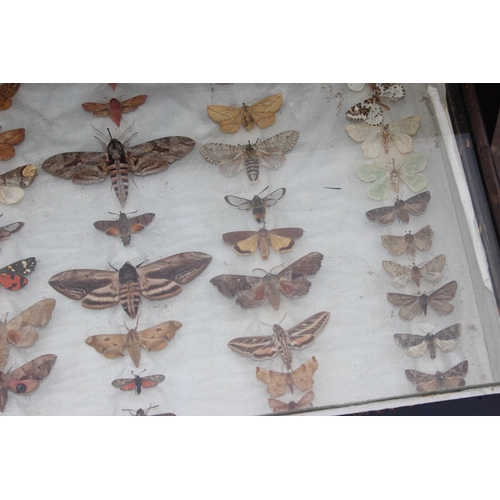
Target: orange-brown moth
(115,108)
(8,140)
(7,92)
(304,402)
(398,245)
(450,379)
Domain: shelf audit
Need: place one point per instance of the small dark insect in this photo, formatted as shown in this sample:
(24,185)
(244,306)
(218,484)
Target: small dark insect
(144,413)
(257,204)
(138,382)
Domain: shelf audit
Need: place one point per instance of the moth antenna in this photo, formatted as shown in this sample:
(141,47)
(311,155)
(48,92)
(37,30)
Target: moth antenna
(132,372)
(103,144)
(328,187)
(279,265)
(137,324)
(134,212)
(262,190)
(150,407)
(112,213)
(129,410)
(112,266)
(4,318)
(127,142)
(109,132)
(282,319)
(259,269)
(267,324)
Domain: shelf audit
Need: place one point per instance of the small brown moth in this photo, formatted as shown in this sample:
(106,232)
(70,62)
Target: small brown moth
(26,378)
(115,108)
(233,159)
(304,402)
(138,383)
(415,205)
(156,281)
(12,182)
(251,291)
(246,242)
(398,245)
(6,231)
(276,382)
(124,226)
(152,339)
(411,305)
(401,275)
(20,331)
(8,140)
(118,160)
(416,345)
(144,413)
(7,92)
(261,114)
(257,204)
(450,379)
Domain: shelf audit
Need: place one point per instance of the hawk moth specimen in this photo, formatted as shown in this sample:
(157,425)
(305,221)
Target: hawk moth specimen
(416,345)
(401,275)
(12,182)
(8,140)
(6,231)
(388,178)
(371,110)
(257,204)
(20,331)
(138,383)
(144,413)
(25,379)
(124,226)
(276,382)
(115,108)
(233,159)
(152,339)
(411,305)
(7,92)
(12,277)
(246,242)
(156,281)
(304,402)
(415,205)
(251,291)
(118,160)
(450,379)
(398,245)
(282,341)
(261,114)
(374,137)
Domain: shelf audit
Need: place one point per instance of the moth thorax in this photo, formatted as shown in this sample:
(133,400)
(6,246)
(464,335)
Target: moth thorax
(385,138)
(21,388)
(440,379)
(247,118)
(292,405)
(252,165)
(116,151)
(409,238)
(263,242)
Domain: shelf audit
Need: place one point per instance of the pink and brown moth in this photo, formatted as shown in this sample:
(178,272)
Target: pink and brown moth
(118,161)
(304,402)
(137,383)
(7,92)
(25,379)
(450,379)
(159,280)
(398,245)
(251,291)
(125,226)
(115,108)
(402,209)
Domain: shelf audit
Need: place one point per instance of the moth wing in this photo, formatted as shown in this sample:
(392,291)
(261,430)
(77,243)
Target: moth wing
(272,161)
(151,380)
(157,337)
(97,108)
(12,137)
(81,168)
(283,239)
(409,172)
(112,346)
(423,238)
(139,222)
(447,339)
(231,159)
(304,333)
(276,381)
(254,297)
(305,266)
(125,384)
(240,203)
(133,103)
(417,204)
(432,270)
(110,227)
(454,373)
(7,91)
(244,242)
(230,284)
(360,111)
(360,132)
(303,376)
(416,345)
(400,274)
(6,231)
(425,381)
(273,198)
(278,405)
(410,304)
(401,131)
(263,111)
(280,143)
(438,299)
(263,347)
(19,177)
(380,177)
(228,118)
(10,195)
(383,216)
(391,92)
(36,369)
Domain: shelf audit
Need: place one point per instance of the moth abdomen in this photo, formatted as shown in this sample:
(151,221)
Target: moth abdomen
(130,297)
(118,172)
(424,302)
(252,168)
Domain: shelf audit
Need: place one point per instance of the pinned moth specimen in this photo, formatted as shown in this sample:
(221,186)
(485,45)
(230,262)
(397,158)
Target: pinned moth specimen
(282,341)
(398,245)
(12,277)
(124,226)
(411,305)
(156,281)
(304,402)
(138,383)
(12,182)
(372,110)
(257,204)
(144,413)
(8,140)
(115,108)
(152,339)
(233,159)
(246,242)
(401,275)
(416,345)
(251,291)
(261,114)
(7,92)
(415,205)
(374,137)
(388,178)
(450,379)
(25,379)
(6,231)
(276,382)
(118,161)
(20,331)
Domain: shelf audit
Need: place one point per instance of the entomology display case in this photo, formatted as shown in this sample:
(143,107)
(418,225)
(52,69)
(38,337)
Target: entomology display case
(378,203)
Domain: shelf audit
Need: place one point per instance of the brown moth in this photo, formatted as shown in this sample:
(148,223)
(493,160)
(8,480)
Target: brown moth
(450,379)
(251,291)
(416,345)
(233,159)
(156,281)
(20,331)
(6,231)
(411,305)
(401,275)
(261,114)
(282,341)
(137,383)
(12,182)
(124,226)
(144,413)
(8,140)
(398,245)
(7,92)
(152,339)
(276,382)
(304,402)
(115,108)
(257,204)
(25,379)
(415,205)
(246,242)
(118,161)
